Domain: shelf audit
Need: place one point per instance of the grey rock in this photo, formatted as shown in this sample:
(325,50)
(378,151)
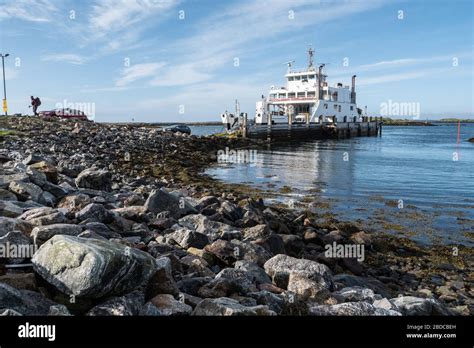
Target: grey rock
(410,305)
(96,179)
(92,268)
(228,307)
(162,281)
(10,209)
(202,224)
(256,232)
(351,309)
(101,229)
(257,273)
(349,280)
(43,233)
(95,212)
(229,252)
(127,305)
(187,238)
(11,224)
(355,294)
(165,305)
(160,200)
(59,310)
(26,190)
(6,195)
(273,301)
(25,302)
(280,266)
(74,203)
(244,281)
(5,180)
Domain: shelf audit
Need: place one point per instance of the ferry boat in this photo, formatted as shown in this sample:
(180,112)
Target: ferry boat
(307,99)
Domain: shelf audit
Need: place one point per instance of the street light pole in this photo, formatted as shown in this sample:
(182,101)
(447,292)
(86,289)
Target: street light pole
(4,84)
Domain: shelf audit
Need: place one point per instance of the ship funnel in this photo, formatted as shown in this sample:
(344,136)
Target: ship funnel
(353,93)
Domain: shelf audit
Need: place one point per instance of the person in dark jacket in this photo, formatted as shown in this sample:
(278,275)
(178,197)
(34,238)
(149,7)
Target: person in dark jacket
(35,102)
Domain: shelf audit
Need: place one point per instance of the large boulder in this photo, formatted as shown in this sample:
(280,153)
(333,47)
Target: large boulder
(281,266)
(96,179)
(92,268)
(224,306)
(161,200)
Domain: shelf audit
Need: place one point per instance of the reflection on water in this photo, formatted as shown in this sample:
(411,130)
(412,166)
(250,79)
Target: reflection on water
(413,180)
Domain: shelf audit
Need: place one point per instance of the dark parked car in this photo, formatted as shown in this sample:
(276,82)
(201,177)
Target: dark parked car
(178,128)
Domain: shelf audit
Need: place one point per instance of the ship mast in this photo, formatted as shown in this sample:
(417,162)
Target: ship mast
(310,59)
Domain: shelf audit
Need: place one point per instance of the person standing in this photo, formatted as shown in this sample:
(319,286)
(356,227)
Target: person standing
(35,102)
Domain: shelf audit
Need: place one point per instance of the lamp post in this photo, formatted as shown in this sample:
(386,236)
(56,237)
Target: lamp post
(4,84)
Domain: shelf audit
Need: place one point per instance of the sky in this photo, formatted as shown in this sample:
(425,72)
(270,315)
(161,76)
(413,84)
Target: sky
(189,60)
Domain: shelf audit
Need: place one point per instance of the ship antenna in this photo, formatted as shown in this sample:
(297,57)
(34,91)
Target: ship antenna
(310,58)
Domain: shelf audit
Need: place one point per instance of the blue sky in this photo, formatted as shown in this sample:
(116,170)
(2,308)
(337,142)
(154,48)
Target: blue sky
(175,60)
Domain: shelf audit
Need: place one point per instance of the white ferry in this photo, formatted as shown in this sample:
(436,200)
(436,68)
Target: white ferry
(306,98)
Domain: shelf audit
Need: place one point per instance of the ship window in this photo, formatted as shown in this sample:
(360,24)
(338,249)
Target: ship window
(301,94)
(304,77)
(291,95)
(297,78)
(311,76)
(291,78)
(311,94)
(272,95)
(325,106)
(352,108)
(339,108)
(282,95)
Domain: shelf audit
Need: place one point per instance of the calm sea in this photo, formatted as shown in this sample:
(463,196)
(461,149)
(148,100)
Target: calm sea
(416,181)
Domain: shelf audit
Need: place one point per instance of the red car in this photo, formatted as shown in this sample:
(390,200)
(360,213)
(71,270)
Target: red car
(65,113)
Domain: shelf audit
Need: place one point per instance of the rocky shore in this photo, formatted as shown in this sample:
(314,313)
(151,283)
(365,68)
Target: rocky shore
(125,223)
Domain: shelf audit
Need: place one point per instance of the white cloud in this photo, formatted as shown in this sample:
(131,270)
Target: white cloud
(28,10)
(70,58)
(114,15)
(137,72)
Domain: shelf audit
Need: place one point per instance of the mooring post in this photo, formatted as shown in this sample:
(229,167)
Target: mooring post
(244,130)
